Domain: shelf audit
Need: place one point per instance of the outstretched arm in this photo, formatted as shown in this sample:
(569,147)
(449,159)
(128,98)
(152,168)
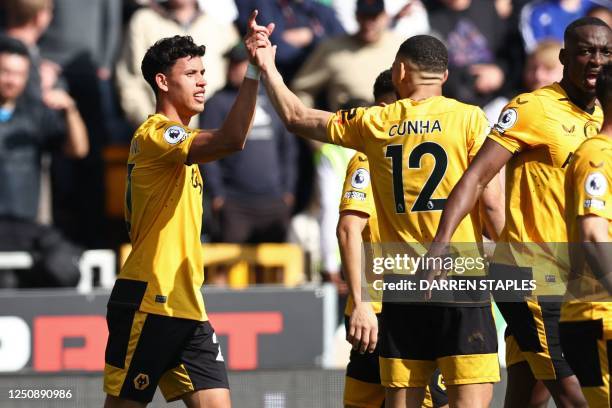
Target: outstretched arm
(303,121)
(214,144)
(487,163)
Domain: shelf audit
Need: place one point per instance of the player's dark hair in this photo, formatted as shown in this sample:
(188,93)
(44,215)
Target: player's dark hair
(9,45)
(383,84)
(163,55)
(570,31)
(603,88)
(427,52)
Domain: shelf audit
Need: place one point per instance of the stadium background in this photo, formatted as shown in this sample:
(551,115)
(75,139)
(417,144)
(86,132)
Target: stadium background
(278,323)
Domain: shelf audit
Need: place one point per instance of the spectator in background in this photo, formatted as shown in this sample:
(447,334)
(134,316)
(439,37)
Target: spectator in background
(300,26)
(329,68)
(222,11)
(27,20)
(547,19)
(408,17)
(603,13)
(543,66)
(28,127)
(149,24)
(253,190)
(475,36)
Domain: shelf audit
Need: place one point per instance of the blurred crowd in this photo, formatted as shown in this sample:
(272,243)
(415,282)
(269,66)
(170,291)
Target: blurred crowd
(71,90)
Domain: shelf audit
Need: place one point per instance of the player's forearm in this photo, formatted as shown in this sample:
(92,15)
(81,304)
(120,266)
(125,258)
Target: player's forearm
(239,120)
(77,139)
(349,240)
(493,209)
(461,201)
(596,246)
(297,118)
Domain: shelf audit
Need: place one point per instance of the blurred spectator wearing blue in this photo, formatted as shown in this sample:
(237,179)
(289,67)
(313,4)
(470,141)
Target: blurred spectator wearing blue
(300,26)
(478,51)
(253,190)
(547,19)
(343,68)
(159,20)
(408,17)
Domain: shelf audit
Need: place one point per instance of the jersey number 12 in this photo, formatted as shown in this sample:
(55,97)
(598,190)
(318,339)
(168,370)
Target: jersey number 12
(424,202)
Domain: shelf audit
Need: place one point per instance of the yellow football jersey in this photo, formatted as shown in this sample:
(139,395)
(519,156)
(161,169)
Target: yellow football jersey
(357,196)
(163,212)
(417,151)
(588,190)
(543,129)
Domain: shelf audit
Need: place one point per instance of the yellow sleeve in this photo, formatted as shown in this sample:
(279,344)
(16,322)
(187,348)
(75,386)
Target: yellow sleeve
(592,181)
(478,130)
(167,142)
(345,128)
(357,189)
(520,124)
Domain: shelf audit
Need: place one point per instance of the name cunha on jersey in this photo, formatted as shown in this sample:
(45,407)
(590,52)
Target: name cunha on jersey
(415,127)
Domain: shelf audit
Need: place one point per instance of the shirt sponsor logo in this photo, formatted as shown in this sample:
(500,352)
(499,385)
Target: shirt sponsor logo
(596,184)
(161,299)
(355,195)
(507,119)
(360,179)
(175,134)
(594,204)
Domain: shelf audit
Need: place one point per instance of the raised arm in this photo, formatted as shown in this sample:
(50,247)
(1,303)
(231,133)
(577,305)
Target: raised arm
(487,163)
(303,121)
(76,144)
(214,144)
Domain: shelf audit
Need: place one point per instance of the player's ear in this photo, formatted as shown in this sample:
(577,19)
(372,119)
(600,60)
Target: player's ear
(562,56)
(162,81)
(445,76)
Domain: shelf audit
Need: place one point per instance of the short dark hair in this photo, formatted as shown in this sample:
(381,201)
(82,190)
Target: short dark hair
(9,45)
(162,56)
(427,52)
(603,88)
(383,84)
(570,30)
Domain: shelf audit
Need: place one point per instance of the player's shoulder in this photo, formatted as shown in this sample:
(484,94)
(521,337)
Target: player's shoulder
(358,160)
(595,149)
(158,126)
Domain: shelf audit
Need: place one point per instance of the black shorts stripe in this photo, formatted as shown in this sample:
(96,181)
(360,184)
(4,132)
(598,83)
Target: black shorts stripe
(127,293)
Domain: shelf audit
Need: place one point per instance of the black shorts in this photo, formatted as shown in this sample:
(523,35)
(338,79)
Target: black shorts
(146,350)
(415,338)
(363,387)
(533,328)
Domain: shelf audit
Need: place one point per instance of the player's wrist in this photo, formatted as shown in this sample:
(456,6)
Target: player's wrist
(253,72)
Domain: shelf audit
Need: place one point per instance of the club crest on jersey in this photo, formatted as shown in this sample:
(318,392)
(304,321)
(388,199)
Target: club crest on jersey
(596,184)
(507,119)
(360,179)
(175,134)
(591,129)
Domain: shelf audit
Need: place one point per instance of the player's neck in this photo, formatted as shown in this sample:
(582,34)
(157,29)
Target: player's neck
(584,101)
(606,127)
(170,111)
(423,92)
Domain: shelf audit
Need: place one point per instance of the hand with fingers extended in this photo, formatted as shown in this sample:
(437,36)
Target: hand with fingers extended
(257,42)
(363,328)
